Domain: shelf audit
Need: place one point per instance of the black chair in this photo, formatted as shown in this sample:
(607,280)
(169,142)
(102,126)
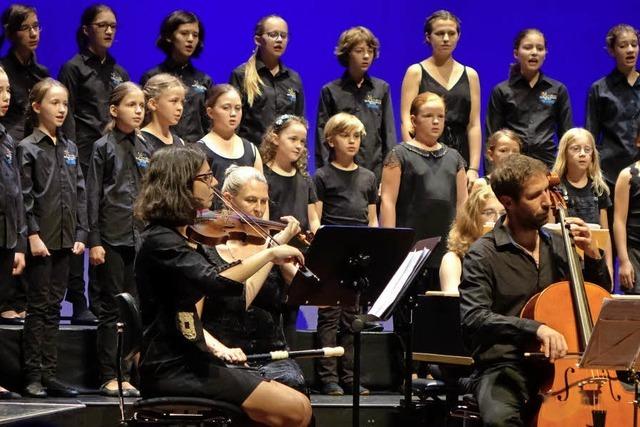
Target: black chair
(173,410)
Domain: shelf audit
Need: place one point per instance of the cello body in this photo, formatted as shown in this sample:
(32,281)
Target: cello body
(571,396)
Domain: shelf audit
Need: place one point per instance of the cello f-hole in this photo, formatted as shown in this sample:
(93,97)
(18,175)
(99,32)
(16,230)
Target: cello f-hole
(566,384)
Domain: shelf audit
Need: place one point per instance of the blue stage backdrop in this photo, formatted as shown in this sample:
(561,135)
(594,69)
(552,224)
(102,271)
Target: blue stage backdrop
(575,32)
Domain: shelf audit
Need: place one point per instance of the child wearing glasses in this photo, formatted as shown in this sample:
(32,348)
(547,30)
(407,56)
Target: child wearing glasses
(269,89)
(21,27)
(181,39)
(578,166)
(89,76)
(357,93)
(118,162)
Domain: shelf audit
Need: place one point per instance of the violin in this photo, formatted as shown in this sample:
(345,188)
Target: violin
(216,227)
(573,396)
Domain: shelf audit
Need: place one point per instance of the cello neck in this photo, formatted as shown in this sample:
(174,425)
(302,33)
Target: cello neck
(584,322)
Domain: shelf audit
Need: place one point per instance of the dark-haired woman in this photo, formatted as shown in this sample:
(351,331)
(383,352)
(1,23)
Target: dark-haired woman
(269,89)
(534,106)
(182,38)
(21,27)
(174,274)
(458,84)
(89,76)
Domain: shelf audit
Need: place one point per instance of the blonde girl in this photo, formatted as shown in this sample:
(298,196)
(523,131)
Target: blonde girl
(164,104)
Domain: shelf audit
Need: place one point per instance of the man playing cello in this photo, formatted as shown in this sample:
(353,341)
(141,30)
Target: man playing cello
(501,272)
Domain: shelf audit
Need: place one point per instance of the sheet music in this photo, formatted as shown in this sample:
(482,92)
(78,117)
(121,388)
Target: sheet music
(401,278)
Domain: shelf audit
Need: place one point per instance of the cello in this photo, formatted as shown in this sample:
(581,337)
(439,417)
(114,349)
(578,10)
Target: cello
(573,396)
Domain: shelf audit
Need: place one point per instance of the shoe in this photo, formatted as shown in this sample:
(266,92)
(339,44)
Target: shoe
(111,392)
(11,320)
(83,317)
(57,388)
(371,326)
(127,390)
(35,389)
(348,389)
(8,395)
(332,389)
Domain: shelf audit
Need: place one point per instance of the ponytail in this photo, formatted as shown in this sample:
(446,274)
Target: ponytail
(252,81)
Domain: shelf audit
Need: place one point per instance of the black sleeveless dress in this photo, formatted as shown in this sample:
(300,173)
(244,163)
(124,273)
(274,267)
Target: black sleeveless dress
(458,104)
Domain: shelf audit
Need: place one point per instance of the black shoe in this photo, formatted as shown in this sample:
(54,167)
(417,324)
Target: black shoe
(371,326)
(332,389)
(83,317)
(8,395)
(35,389)
(348,389)
(11,321)
(57,388)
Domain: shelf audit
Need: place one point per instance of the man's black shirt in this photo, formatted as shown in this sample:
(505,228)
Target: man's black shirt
(498,278)
(89,81)
(194,123)
(535,113)
(117,165)
(53,189)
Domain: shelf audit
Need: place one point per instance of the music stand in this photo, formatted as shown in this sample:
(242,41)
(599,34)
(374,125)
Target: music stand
(354,265)
(615,341)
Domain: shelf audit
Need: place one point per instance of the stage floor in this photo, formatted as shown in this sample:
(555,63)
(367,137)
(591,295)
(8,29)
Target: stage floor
(380,410)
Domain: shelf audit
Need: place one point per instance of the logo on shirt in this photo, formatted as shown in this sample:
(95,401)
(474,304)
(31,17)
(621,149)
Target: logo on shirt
(198,87)
(548,98)
(8,156)
(187,325)
(116,79)
(69,158)
(292,95)
(373,103)
(142,160)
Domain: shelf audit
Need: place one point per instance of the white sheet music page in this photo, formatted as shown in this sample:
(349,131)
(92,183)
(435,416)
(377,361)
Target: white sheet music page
(398,281)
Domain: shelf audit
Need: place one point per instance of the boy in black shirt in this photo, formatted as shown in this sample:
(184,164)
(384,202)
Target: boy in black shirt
(357,93)
(347,196)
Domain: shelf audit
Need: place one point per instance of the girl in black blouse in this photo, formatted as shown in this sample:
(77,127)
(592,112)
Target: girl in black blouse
(269,88)
(55,205)
(174,274)
(533,105)
(181,39)
(21,27)
(164,95)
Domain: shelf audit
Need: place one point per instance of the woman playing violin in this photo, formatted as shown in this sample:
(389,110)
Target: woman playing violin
(253,323)
(174,274)
(501,271)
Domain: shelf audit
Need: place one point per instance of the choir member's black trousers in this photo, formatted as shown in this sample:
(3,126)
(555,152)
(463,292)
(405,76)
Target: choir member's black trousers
(335,328)
(114,276)
(47,278)
(506,394)
(75,290)
(6,280)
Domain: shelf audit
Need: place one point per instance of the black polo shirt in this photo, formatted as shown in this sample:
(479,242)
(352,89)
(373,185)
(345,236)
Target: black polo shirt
(535,114)
(613,117)
(194,123)
(498,278)
(53,190)
(22,78)
(371,103)
(281,94)
(13,232)
(90,81)
(117,165)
